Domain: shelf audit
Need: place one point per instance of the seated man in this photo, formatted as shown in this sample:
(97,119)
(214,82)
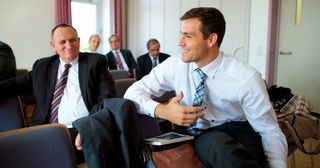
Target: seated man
(69,86)
(220,100)
(94,42)
(120,58)
(151,59)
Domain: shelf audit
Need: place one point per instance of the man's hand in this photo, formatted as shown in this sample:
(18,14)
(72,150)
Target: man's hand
(78,142)
(178,114)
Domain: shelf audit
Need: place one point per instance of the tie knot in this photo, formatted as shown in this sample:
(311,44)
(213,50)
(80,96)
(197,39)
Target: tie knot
(67,66)
(201,74)
(154,62)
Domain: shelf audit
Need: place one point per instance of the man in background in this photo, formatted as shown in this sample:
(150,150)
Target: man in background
(121,59)
(146,62)
(94,42)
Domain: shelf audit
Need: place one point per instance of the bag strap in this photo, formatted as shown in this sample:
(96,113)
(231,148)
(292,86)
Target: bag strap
(298,141)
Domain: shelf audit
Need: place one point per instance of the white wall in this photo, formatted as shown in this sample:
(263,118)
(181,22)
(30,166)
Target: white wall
(300,69)
(160,19)
(26,27)
(258,35)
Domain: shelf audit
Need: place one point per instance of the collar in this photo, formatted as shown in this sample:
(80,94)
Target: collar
(211,68)
(73,62)
(114,51)
(151,57)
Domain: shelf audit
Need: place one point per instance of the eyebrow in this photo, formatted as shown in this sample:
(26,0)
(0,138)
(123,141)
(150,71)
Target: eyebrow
(186,33)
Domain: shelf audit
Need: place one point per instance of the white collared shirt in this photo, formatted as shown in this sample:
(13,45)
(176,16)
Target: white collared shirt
(157,59)
(234,91)
(125,66)
(72,106)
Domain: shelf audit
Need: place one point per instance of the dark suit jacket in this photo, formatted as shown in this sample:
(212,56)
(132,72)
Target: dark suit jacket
(96,84)
(128,57)
(145,64)
(7,62)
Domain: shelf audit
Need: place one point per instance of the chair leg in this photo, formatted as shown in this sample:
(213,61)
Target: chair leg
(293,160)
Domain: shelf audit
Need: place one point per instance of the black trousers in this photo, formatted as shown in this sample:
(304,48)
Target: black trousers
(231,145)
(110,137)
(78,153)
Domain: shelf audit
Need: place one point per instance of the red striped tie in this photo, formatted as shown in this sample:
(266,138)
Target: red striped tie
(119,62)
(58,93)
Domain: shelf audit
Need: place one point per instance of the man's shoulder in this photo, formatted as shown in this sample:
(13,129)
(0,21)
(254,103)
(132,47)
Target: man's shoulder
(125,52)
(164,54)
(47,59)
(109,53)
(237,68)
(45,62)
(91,57)
(90,54)
(238,64)
(144,56)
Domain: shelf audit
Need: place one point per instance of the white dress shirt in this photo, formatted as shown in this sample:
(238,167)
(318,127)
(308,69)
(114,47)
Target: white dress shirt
(125,66)
(72,106)
(152,59)
(234,91)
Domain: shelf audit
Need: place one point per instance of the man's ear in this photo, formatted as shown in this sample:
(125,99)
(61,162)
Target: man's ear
(212,39)
(52,45)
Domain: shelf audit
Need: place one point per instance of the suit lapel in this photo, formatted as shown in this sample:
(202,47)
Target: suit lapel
(52,77)
(125,57)
(148,63)
(83,78)
(161,58)
(112,61)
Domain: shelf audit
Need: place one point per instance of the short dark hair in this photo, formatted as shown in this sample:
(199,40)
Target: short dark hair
(62,25)
(212,21)
(152,41)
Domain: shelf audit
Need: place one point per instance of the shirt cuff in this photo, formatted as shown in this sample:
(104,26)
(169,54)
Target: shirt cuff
(277,164)
(149,107)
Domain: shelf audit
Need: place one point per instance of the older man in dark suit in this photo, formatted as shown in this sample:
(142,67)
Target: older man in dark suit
(120,58)
(68,86)
(151,59)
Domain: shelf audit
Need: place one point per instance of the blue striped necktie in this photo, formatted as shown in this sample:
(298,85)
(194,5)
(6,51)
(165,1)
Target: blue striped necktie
(58,93)
(198,98)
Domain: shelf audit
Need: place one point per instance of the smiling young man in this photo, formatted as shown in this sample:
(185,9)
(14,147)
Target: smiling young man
(221,101)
